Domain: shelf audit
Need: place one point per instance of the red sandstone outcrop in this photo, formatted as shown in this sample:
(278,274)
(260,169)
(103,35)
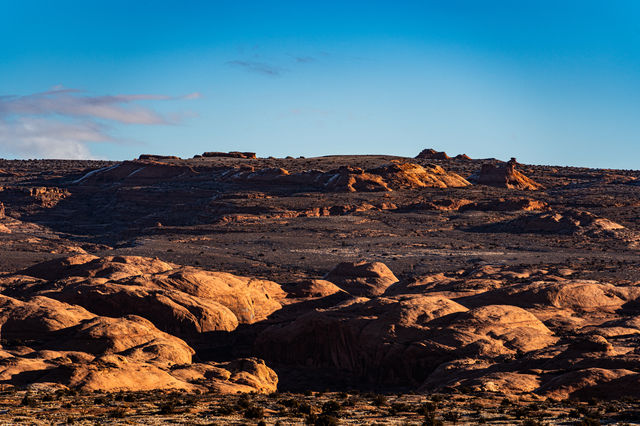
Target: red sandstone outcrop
(53,339)
(155,157)
(231,154)
(410,175)
(180,300)
(312,288)
(568,222)
(362,278)
(353,179)
(432,154)
(504,176)
(386,340)
(462,157)
(507,204)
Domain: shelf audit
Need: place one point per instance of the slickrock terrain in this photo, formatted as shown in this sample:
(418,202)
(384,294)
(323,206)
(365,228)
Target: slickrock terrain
(513,291)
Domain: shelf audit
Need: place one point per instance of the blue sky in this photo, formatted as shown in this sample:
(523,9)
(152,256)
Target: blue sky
(548,82)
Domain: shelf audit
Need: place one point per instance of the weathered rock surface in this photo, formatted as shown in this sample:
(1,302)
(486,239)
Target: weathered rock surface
(362,278)
(567,222)
(231,154)
(180,300)
(432,154)
(62,337)
(504,176)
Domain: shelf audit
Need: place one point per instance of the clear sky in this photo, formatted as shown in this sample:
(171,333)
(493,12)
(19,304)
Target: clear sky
(549,82)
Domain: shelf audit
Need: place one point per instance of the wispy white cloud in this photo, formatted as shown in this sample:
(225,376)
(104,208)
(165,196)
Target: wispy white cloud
(257,67)
(62,121)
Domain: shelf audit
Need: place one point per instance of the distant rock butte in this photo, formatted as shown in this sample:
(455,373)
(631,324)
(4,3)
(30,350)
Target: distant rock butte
(505,176)
(231,154)
(432,154)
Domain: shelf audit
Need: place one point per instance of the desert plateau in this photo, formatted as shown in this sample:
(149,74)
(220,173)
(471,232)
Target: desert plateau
(232,289)
(320,213)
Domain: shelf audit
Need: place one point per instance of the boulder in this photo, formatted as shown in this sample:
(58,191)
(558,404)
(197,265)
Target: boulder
(363,278)
(312,288)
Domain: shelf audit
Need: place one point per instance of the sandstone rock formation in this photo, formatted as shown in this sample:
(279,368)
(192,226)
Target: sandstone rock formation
(507,204)
(432,154)
(312,288)
(47,341)
(138,171)
(362,278)
(231,154)
(410,175)
(504,176)
(493,294)
(567,222)
(180,300)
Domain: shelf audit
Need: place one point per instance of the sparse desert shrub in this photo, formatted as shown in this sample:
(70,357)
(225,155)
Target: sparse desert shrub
(254,412)
(379,400)
(224,409)
(304,408)
(331,407)
(589,421)
(170,406)
(28,400)
(321,420)
(400,407)
(426,408)
(437,398)
(431,420)
(244,401)
(289,402)
(351,401)
(118,413)
(451,416)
